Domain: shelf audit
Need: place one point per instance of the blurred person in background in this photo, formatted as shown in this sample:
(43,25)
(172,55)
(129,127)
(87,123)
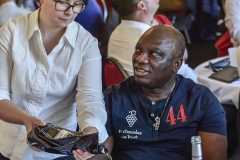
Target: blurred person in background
(232,20)
(207,17)
(91,18)
(11,9)
(136,17)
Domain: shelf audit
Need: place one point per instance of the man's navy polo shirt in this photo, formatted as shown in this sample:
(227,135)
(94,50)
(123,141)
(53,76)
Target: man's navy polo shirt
(191,108)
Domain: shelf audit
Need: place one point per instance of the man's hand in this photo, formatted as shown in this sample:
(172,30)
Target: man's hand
(79,154)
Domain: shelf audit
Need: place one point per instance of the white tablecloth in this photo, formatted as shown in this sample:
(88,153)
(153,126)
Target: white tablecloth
(227,93)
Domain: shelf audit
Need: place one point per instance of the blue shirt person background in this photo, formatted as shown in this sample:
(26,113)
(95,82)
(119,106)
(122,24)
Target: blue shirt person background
(91,18)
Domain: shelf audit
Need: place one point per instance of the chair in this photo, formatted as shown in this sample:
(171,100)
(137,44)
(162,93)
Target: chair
(236,153)
(231,117)
(177,12)
(113,72)
(223,43)
(103,6)
(238,126)
(111,23)
(182,21)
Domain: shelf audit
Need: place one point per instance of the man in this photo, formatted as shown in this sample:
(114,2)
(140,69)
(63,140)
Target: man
(154,114)
(50,69)
(137,16)
(9,9)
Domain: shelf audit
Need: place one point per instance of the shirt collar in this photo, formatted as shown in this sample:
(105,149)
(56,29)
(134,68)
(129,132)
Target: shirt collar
(33,23)
(135,24)
(70,33)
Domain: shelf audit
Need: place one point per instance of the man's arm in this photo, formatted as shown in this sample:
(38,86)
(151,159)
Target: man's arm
(109,144)
(214,146)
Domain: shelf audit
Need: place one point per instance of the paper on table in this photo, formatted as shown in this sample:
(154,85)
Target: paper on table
(238,59)
(233,57)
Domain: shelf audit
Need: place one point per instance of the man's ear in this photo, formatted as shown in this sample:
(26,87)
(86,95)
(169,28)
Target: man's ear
(141,5)
(177,64)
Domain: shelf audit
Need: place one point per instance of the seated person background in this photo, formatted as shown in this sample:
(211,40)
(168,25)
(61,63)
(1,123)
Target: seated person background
(9,9)
(232,20)
(91,18)
(136,17)
(157,94)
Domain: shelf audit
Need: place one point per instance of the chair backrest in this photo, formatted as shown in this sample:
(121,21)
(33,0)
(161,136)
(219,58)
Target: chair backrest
(103,6)
(113,72)
(111,23)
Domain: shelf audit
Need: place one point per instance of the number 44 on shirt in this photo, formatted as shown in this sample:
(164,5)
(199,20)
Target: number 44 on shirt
(181,116)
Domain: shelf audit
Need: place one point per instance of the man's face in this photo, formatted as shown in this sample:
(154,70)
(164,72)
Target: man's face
(58,18)
(154,58)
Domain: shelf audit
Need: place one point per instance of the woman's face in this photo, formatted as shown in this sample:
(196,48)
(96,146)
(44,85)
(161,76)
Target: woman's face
(54,18)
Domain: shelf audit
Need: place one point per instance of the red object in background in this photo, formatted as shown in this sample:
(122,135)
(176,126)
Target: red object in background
(162,19)
(223,43)
(101,3)
(113,72)
(36,4)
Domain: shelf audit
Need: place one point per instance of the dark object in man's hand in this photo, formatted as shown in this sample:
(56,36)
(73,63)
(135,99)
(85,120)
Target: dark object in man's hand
(54,139)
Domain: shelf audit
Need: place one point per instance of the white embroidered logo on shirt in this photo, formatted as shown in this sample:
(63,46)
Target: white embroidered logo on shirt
(131,119)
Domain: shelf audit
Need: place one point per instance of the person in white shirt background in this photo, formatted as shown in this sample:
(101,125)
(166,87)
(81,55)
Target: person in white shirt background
(136,17)
(50,69)
(10,9)
(232,20)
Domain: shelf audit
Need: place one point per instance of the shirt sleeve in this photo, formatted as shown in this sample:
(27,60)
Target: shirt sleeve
(90,105)
(108,104)
(232,20)
(213,116)
(6,62)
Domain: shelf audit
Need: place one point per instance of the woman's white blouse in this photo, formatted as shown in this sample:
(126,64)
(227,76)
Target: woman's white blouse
(52,86)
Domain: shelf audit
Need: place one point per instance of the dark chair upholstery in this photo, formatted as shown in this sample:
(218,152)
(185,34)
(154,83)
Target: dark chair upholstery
(231,117)
(113,72)
(238,124)
(111,23)
(103,6)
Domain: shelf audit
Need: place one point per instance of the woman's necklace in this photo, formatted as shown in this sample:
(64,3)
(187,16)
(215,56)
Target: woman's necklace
(158,119)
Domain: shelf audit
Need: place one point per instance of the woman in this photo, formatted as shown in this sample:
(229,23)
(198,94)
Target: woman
(50,66)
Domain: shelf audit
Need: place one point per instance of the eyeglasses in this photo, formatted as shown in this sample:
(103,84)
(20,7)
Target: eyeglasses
(64,6)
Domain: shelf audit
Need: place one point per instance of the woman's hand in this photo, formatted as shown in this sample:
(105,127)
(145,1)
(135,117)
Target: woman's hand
(30,123)
(79,154)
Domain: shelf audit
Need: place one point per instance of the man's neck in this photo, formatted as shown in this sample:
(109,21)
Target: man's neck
(141,17)
(159,93)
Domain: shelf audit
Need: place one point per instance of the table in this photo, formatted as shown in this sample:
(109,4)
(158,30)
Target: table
(227,93)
